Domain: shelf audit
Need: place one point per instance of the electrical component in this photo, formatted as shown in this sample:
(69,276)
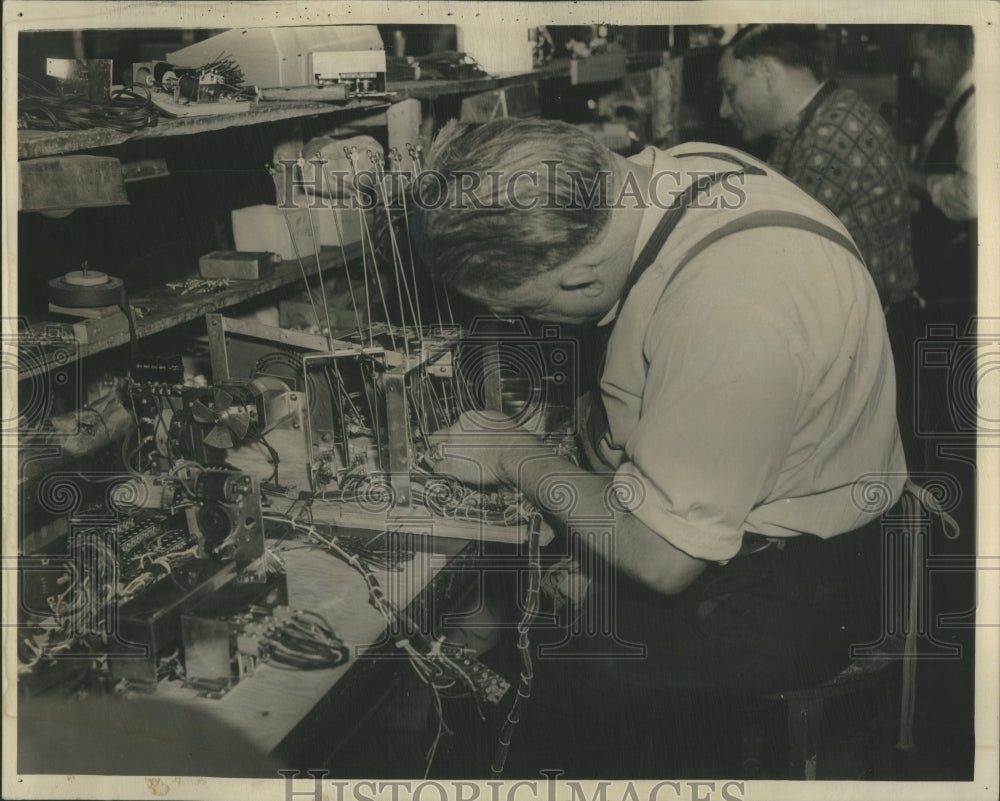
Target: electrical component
(225,517)
(361,72)
(216,80)
(224,636)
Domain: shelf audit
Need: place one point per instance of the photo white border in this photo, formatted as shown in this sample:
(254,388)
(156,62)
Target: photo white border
(982,14)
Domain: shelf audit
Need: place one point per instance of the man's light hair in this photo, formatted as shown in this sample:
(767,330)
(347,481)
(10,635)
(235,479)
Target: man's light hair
(502,244)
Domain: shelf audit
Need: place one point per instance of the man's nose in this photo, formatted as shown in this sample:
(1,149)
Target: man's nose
(725,107)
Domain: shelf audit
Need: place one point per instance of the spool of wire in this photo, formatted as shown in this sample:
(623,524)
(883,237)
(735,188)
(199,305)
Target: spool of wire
(85,289)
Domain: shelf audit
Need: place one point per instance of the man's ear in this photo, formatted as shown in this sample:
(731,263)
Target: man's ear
(584,278)
(769,70)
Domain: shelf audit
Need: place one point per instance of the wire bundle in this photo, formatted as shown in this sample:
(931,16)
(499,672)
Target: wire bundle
(40,108)
(82,612)
(449,498)
(530,611)
(430,658)
(303,640)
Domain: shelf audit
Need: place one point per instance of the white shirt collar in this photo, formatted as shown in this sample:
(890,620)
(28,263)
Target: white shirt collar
(959,89)
(646,157)
(808,100)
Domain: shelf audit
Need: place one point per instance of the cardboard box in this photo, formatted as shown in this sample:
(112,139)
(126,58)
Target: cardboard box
(263,228)
(235,264)
(266,228)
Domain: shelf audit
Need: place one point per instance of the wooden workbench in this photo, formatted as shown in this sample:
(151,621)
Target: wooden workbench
(274,719)
(278,709)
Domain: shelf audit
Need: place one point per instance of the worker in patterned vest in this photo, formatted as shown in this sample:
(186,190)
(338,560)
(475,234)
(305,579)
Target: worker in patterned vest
(831,143)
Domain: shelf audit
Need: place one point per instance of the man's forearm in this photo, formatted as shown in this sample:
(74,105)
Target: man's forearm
(637,551)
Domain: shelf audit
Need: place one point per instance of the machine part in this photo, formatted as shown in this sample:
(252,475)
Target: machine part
(157,373)
(207,87)
(226,518)
(488,685)
(223,634)
(223,486)
(154,404)
(388,491)
(361,71)
(186,438)
(243,409)
(151,623)
(367,413)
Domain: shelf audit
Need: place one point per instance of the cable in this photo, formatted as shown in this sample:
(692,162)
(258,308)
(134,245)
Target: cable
(274,459)
(40,108)
(524,646)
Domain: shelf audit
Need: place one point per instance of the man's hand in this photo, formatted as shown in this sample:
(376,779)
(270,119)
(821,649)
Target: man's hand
(483,448)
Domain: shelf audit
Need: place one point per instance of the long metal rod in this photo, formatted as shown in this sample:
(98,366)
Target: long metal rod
(347,272)
(397,259)
(409,244)
(395,266)
(295,245)
(352,155)
(319,266)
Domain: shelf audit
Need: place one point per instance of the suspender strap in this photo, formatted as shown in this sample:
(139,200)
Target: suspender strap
(668,222)
(766,219)
(747,167)
(673,215)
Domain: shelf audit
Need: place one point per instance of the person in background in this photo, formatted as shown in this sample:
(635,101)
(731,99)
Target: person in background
(835,147)
(943,175)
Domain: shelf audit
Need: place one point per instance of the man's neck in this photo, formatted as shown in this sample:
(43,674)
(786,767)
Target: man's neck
(798,88)
(628,219)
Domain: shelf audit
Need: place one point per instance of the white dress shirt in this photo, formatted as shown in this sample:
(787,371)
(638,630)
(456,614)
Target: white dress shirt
(757,393)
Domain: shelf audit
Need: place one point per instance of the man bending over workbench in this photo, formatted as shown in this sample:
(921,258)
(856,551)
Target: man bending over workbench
(746,403)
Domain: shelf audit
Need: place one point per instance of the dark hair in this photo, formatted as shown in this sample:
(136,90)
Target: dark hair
(939,36)
(792,45)
(502,245)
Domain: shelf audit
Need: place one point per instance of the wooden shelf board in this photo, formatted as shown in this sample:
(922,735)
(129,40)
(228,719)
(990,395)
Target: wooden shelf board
(168,307)
(35,144)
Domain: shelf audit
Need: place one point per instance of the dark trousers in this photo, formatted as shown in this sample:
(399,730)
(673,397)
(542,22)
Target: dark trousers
(780,618)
